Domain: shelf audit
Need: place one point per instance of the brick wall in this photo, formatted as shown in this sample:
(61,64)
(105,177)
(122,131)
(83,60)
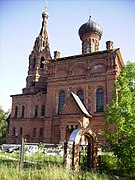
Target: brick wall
(83,72)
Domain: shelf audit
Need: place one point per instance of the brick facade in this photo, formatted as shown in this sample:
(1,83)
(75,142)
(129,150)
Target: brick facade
(35,114)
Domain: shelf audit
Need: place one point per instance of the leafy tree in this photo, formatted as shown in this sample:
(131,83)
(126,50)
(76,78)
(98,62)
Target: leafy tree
(3,124)
(121,115)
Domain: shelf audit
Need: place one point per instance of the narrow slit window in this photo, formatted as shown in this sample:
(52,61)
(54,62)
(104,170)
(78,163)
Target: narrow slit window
(16,111)
(36,112)
(34,132)
(41,132)
(13,131)
(20,130)
(23,111)
(41,62)
(34,62)
(43,110)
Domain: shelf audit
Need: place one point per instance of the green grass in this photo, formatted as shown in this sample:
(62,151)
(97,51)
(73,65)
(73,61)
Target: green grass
(49,172)
(44,158)
(42,166)
(14,154)
(38,158)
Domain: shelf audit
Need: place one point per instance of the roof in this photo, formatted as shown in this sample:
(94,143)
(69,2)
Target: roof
(90,26)
(88,54)
(81,105)
(96,53)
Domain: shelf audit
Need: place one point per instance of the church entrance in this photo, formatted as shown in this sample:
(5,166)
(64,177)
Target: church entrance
(82,149)
(85,152)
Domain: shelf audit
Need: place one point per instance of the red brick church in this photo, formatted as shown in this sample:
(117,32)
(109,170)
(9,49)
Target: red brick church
(61,92)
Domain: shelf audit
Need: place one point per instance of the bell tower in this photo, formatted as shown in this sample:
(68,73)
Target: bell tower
(36,79)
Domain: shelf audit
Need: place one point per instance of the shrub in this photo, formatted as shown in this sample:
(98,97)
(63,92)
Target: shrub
(108,164)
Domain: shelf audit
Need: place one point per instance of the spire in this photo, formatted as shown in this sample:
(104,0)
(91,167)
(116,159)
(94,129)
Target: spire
(45,16)
(89,19)
(41,43)
(36,80)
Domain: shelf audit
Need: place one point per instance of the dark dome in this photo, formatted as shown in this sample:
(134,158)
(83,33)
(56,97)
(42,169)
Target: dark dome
(90,26)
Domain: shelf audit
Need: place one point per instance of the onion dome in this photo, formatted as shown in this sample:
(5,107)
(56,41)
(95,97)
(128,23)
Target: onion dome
(90,27)
(45,14)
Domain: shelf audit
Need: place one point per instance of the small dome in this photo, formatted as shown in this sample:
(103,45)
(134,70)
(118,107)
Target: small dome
(45,14)
(90,26)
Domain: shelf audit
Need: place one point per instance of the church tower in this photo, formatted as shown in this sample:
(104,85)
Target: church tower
(36,79)
(90,34)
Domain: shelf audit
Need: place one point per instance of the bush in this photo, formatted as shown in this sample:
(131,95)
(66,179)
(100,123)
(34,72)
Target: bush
(108,164)
(111,165)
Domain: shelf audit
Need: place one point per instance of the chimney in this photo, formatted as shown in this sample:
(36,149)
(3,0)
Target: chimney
(56,55)
(109,45)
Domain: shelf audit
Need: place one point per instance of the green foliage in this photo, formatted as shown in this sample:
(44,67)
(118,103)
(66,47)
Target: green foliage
(121,115)
(108,164)
(83,158)
(3,125)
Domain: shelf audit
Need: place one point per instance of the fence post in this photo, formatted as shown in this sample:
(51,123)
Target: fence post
(22,154)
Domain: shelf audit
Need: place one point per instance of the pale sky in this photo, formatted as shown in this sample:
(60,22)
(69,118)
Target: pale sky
(20,24)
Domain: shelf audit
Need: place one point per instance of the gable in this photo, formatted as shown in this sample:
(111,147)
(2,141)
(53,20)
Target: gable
(75,106)
(70,107)
(81,105)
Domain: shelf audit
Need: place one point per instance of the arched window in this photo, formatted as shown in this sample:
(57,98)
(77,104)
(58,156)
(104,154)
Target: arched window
(41,62)
(100,100)
(23,111)
(80,95)
(43,110)
(88,48)
(34,62)
(16,111)
(61,100)
(36,111)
